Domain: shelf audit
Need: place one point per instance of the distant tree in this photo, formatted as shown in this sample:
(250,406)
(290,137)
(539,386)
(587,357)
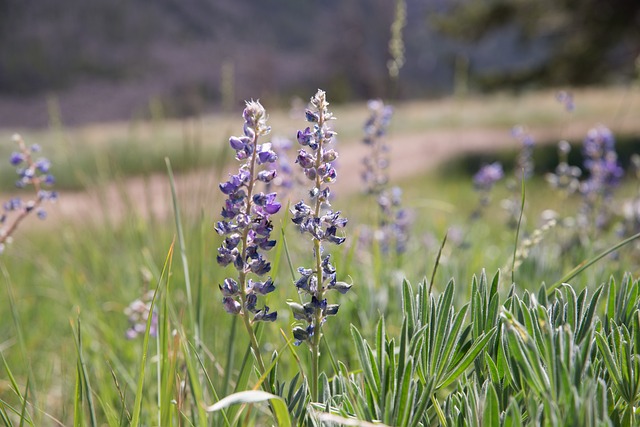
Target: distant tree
(588,41)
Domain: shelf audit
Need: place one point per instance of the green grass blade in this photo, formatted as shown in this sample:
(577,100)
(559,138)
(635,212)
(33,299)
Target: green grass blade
(209,382)
(194,385)
(588,263)
(78,414)
(183,253)
(437,263)
(280,411)
(23,410)
(85,384)
(137,406)
(4,416)
(231,345)
(515,244)
(13,382)
(288,255)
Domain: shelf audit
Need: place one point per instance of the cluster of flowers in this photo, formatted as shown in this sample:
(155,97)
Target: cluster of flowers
(524,163)
(375,174)
(34,172)
(565,178)
(483,182)
(246,222)
(394,221)
(320,222)
(284,182)
(604,175)
(138,313)
(630,210)
(566,99)
(601,162)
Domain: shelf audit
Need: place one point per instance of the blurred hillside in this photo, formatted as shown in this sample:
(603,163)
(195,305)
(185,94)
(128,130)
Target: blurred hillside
(113,59)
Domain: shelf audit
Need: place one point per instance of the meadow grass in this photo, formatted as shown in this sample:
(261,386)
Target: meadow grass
(65,359)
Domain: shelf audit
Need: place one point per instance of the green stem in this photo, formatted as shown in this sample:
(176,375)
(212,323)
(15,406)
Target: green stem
(242,275)
(315,345)
(317,333)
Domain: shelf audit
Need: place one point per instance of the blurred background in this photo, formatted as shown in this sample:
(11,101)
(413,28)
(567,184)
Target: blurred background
(110,60)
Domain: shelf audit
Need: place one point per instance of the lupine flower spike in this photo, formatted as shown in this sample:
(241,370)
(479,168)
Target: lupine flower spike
(393,221)
(323,226)
(523,170)
(566,178)
(34,172)
(604,175)
(138,313)
(483,182)
(246,225)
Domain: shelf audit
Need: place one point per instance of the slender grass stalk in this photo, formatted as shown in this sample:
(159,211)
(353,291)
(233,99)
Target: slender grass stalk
(515,245)
(231,345)
(137,406)
(437,263)
(588,263)
(183,254)
(15,317)
(83,377)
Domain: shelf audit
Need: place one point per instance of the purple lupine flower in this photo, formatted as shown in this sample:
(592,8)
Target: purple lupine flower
(483,182)
(138,313)
(283,181)
(488,175)
(604,175)
(43,165)
(601,160)
(388,233)
(34,173)
(16,158)
(246,216)
(566,99)
(266,154)
(322,224)
(231,306)
(265,316)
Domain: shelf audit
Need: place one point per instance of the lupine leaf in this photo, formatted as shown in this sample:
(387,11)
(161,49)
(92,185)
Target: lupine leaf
(491,415)
(608,359)
(280,412)
(403,396)
(467,360)
(408,305)
(453,336)
(364,351)
(587,319)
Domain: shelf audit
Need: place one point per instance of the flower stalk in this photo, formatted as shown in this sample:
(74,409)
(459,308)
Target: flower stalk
(247,227)
(31,172)
(315,159)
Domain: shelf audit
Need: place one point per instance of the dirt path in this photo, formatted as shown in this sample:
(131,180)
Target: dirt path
(411,154)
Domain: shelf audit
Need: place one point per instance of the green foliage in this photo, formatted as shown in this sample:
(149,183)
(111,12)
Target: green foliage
(582,36)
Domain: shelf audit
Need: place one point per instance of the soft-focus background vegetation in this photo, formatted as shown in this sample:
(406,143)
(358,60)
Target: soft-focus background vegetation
(110,89)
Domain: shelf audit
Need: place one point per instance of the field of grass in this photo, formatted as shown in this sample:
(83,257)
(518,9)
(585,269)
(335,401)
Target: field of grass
(511,352)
